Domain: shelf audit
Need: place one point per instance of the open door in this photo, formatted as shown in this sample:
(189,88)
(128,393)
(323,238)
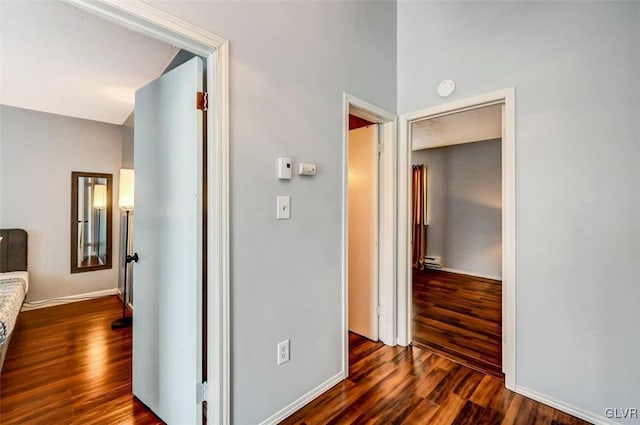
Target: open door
(363,231)
(167,322)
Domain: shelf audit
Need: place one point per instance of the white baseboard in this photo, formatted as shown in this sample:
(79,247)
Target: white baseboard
(565,407)
(485,276)
(69,299)
(304,400)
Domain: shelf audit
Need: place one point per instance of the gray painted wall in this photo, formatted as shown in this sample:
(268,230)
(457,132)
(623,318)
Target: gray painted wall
(290,63)
(465,205)
(127,142)
(575,70)
(38,152)
(181,57)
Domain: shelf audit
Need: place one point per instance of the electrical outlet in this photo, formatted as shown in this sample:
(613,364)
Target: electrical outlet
(283,352)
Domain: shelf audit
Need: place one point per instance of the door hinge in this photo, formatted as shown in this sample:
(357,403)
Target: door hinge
(379,310)
(379,148)
(201,392)
(202,101)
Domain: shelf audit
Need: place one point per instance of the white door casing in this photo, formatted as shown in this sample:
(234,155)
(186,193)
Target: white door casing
(507,97)
(387,220)
(146,19)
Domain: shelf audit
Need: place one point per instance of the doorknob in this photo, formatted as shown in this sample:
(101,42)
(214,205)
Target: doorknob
(130,258)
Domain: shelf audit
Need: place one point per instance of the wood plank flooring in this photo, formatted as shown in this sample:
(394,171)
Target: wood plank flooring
(459,317)
(65,365)
(409,385)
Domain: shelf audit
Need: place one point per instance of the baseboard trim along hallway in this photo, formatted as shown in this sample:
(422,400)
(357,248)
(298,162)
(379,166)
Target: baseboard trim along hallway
(565,407)
(69,299)
(304,400)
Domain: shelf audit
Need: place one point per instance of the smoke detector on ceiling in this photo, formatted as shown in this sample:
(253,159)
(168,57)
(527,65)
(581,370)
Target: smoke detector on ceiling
(446,87)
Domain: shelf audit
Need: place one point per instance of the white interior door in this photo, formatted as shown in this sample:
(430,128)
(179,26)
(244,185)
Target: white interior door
(167,321)
(363,231)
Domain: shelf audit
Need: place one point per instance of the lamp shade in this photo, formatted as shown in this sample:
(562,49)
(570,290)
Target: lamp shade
(100,196)
(127,179)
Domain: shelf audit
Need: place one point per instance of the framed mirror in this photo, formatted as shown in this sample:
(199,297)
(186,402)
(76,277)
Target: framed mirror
(90,221)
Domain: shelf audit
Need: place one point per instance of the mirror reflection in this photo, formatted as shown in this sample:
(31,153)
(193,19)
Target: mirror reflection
(91,222)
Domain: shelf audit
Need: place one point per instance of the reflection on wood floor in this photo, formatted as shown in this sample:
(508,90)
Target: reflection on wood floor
(459,317)
(408,385)
(65,365)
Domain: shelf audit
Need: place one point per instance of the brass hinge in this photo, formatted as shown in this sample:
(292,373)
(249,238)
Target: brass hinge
(202,101)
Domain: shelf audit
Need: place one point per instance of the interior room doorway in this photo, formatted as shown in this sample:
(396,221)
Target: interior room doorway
(405,228)
(363,226)
(368,284)
(175,396)
(457,236)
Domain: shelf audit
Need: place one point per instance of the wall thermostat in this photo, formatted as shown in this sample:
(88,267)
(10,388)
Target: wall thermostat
(305,169)
(446,87)
(284,168)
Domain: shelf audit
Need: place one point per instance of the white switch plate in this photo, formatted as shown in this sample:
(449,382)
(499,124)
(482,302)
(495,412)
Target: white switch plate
(284,208)
(283,352)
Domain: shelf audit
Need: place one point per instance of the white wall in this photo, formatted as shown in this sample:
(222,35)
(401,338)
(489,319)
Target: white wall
(575,69)
(290,63)
(465,206)
(38,152)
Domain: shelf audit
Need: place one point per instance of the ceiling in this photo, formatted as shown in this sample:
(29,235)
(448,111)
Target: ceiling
(463,127)
(59,59)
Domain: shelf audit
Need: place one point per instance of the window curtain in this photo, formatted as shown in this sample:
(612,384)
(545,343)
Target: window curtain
(419,216)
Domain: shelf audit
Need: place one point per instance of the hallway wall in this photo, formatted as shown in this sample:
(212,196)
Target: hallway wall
(290,64)
(575,67)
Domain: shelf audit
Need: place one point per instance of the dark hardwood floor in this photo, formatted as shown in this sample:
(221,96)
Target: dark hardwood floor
(409,385)
(459,317)
(65,365)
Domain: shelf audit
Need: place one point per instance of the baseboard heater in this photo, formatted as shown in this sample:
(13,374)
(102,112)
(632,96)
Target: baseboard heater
(433,262)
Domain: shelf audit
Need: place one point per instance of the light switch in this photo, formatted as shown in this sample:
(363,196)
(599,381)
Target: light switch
(284,208)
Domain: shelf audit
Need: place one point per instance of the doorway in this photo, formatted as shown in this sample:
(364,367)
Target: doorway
(210,399)
(404,235)
(368,303)
(363,227)
(456,247)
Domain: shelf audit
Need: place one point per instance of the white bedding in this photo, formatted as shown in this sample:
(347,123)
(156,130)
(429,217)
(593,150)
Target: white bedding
(13,290)
(17,275)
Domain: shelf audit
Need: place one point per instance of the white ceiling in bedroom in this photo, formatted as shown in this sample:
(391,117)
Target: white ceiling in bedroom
(59,59)
(469,126)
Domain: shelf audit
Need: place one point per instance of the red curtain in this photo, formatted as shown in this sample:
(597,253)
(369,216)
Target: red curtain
(419,213)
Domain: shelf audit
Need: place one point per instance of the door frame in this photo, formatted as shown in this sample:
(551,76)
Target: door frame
(386,219)
(143,18)
(404,271)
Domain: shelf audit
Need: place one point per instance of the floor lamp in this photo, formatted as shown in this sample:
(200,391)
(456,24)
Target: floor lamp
(126,204)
